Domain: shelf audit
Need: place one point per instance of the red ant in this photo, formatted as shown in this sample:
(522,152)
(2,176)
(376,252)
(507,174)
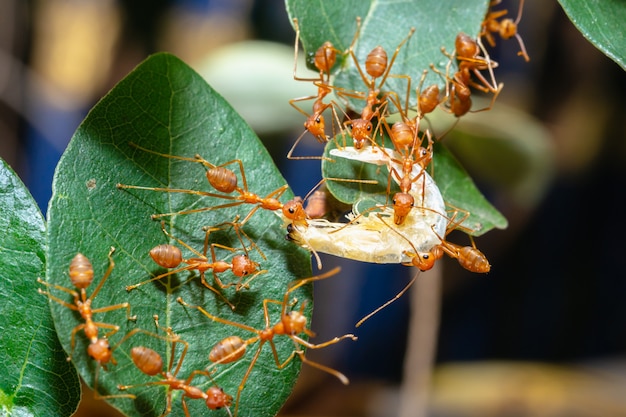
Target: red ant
(324,60)
(506,28)
(81,275)
(150,363)
(291,324)
(224,180)
(376,66)
(169,256)
(469,257)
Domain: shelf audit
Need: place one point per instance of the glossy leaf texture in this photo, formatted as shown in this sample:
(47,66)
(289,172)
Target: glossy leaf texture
(386,24)
(457,188)
(36,379)
(602,23)
(165,106)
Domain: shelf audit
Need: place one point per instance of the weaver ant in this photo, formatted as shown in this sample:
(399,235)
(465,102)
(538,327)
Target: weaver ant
(81,275)
(324,60)
(223,180)
(150,363)
(506,28)
(291,324)
(377,67)
(169,256)
(469,257)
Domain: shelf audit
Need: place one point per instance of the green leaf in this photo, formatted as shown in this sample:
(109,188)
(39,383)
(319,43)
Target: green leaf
(386,24)
(457,188)
(165,106)
(36,379)
(602,23)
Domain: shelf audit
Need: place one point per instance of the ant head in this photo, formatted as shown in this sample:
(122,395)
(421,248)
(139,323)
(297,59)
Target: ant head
(361,129)
(100,351)
(294,322)
(316,125)
(424,261)
(294,211)
(216,398)
(242,265)
(402,205)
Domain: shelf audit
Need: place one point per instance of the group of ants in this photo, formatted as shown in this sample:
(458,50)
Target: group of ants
(471,59)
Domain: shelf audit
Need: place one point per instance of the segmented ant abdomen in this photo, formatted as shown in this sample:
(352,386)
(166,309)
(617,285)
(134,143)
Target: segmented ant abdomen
(429,99)
(167,256)
(81,271)
(228,350)
(473,260)
(222,179)
(325,57)
(376,62)
(465,46)
(402,136)
(147,360)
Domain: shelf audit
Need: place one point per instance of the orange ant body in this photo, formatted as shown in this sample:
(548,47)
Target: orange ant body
(81,275)
(169,256)
(99,349)
(377,66)
(291,323)
(324,60)
(150,363)
(506,28)
(469,257)
(224,180)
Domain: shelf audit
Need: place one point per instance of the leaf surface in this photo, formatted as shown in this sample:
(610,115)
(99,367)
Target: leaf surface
(602,23)
(166,107)
(36,379)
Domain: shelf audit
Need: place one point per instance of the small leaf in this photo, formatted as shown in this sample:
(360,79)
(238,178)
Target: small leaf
(386,24)
(36,380)
(602,23)
(165,106)
(457,188)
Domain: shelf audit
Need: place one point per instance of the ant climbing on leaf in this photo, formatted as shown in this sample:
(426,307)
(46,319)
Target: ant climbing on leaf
(170,256)
(81,275)
(291,324)
(224,180)
(150,363)
(324,59)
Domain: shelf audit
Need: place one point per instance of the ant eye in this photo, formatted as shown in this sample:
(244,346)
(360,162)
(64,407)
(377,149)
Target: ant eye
(318,119)
(291,210)
(425,256)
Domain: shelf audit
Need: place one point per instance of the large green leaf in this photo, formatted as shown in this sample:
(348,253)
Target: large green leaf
(36,379)
(602,23)
(387,23)
(165,106)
